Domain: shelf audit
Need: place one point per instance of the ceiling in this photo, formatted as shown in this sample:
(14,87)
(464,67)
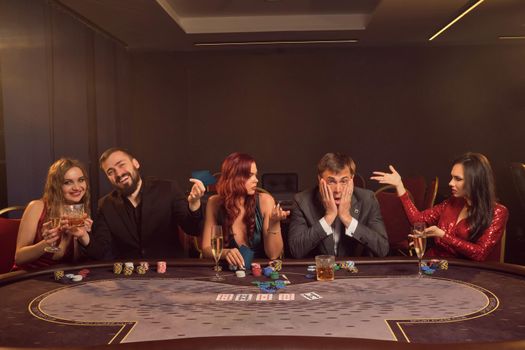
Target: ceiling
(187,25)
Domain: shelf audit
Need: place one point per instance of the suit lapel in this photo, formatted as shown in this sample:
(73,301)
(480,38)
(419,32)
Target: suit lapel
(355,208)
(355,212)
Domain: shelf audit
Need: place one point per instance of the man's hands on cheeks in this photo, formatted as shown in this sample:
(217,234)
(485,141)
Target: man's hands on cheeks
(343,211)
(196,193)
(234,257)
(327,198)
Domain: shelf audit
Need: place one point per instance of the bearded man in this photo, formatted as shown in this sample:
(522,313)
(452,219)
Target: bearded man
(140,217)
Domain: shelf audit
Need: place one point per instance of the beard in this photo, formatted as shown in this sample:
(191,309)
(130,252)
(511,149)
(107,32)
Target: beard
(127,189)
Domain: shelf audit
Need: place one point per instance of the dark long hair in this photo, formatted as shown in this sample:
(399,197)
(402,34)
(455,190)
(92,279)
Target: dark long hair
(480,190)
(235,171)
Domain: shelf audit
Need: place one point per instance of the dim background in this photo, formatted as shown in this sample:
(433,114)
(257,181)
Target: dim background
(66,90)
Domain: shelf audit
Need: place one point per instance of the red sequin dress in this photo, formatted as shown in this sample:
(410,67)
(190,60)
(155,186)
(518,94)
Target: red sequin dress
(455,243)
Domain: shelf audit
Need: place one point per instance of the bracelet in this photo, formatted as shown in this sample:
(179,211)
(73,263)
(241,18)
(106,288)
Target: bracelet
(272,232)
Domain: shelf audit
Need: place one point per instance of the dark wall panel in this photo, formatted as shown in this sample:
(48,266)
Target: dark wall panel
(58,92)
(70,82)
(25,59)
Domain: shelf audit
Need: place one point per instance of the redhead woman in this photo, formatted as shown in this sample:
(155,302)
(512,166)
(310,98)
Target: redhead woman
(248,217)
(467,225)
(66,183)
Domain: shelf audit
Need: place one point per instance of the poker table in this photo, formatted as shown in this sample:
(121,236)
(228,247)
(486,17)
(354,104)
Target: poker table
(385,305)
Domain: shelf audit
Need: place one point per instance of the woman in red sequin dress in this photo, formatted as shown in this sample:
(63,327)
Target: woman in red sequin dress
(66,183)
(470,223)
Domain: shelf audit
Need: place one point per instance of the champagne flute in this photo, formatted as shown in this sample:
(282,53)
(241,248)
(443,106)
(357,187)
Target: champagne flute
(52,247)
(217,243)
(420,243)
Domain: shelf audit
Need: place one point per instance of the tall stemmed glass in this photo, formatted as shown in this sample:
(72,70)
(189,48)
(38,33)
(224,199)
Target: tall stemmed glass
(52,247)
(217,243)
(420,243)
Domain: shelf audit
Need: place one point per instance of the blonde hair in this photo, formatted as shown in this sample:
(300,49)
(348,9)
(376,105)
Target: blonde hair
(53,195)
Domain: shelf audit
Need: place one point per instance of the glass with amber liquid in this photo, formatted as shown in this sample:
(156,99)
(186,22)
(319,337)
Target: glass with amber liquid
(217,244)
(324,265)
(74,213)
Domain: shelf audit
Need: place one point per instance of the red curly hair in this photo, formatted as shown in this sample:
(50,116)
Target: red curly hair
(235,171)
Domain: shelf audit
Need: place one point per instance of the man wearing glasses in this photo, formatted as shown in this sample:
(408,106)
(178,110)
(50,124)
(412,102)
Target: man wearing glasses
(336,218)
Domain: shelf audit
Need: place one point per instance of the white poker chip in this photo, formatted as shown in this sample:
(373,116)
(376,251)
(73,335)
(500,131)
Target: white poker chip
(128,264)
(77,278)
(240,273)
(70,275)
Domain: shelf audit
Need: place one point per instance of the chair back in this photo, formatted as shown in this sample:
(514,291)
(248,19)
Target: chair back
(280,182)
(498,252)
(8,235)
(417,186)
(8,212)
(431,193)
(396,222)
(518,176)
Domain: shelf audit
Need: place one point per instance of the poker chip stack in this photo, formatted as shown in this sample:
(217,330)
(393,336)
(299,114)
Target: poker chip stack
(349,266)
(141,269)
(84,273)
(59,274)
(267,271)
(117,268)
(276,264)
(77,278)
(145,264)
(311,271)
(128,268)
(161,267)
(256,270)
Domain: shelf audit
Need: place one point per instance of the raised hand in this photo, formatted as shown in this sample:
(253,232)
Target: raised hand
(196,193)
(392,178)
(278,214)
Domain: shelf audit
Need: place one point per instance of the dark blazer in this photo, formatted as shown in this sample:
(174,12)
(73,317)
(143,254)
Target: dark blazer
(164,206)
(307,238)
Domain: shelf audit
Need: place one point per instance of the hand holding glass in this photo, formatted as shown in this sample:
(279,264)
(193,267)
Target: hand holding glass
(53,223)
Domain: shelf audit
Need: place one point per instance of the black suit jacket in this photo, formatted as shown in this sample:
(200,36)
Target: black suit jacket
(164,206)
(307,238)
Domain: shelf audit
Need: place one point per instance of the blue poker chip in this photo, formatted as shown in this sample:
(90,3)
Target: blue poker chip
(309,276)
